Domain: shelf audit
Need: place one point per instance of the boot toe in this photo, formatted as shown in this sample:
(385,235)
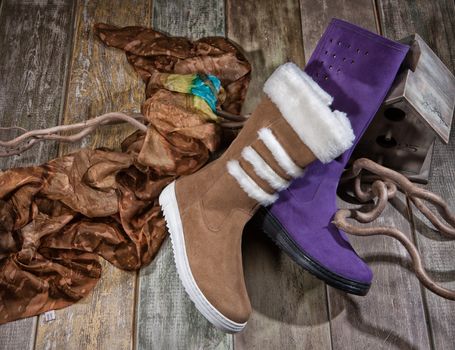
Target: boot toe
(235,307)
(323,250)
(335,253)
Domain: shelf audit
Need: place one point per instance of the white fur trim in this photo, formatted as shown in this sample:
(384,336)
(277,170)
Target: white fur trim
(263,170)
(320,92)
(279,153)
(328,134)
(251,188)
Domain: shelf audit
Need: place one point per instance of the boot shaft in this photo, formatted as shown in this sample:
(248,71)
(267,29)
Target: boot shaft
(357,68)
(291,127)
(206,211)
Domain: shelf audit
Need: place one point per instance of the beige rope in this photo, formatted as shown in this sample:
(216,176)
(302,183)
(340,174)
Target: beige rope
(383,189)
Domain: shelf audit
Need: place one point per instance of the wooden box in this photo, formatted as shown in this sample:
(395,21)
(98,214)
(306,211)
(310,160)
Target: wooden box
(418,109)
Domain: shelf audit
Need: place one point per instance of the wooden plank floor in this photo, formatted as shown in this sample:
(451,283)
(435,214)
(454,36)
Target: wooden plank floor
(52,70)
(35,38)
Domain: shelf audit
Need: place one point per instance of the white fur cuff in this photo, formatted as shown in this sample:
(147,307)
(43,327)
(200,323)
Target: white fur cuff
(304,105)
(279,153)
(263,170)
(251,188)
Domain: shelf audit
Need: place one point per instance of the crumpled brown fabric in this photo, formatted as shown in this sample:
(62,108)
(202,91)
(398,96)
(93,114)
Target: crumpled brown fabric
(152,54)
(57,218)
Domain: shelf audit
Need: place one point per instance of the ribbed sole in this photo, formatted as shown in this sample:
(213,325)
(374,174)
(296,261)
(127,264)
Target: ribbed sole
(278,234)
(168,203)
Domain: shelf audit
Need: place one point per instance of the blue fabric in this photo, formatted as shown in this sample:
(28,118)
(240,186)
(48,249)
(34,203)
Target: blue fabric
(203,89)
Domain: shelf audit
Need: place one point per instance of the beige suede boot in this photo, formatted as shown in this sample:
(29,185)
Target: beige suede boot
(206,212)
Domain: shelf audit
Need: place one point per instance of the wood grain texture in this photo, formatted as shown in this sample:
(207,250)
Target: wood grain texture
(392,314)
(438,253)
(190,18)
(19,334)
(437,105)
(289,305)
(103,320)
(317,14)
(101,80)
(35,40)
(434,22)
(269,33)
(166,317)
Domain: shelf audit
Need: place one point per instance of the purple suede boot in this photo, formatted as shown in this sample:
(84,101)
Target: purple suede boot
(357,68)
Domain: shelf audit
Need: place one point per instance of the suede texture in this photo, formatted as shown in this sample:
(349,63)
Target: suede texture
(214,209)
(357,68)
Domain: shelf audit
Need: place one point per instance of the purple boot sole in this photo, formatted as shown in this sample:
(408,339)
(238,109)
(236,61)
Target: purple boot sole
(357,68)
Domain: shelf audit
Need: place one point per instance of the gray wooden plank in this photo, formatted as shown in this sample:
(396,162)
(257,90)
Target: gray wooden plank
(19,334)
(438,253)
(100,80)
(289,305)
(103,320)
(434,22)
(392,314)
(166,318)
(190,18)
(269,32)
(35,40)
(316,15)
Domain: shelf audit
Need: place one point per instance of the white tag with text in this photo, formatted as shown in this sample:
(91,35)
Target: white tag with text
(49,316)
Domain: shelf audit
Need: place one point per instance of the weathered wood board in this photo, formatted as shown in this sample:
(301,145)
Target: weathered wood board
(166,318)
(290,309)
(35,40)
(19,334)
(100,80)
(433,21)
(270,34)
(392,314)
(316,15)
(190,18)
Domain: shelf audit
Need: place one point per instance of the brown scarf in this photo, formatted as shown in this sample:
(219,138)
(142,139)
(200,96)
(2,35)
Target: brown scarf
(56,219)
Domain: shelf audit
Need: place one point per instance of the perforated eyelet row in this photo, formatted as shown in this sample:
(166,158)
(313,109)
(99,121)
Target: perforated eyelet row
(332,56)
(339,43)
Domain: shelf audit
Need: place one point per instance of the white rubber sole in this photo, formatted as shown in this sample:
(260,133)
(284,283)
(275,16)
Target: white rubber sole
(168,203)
